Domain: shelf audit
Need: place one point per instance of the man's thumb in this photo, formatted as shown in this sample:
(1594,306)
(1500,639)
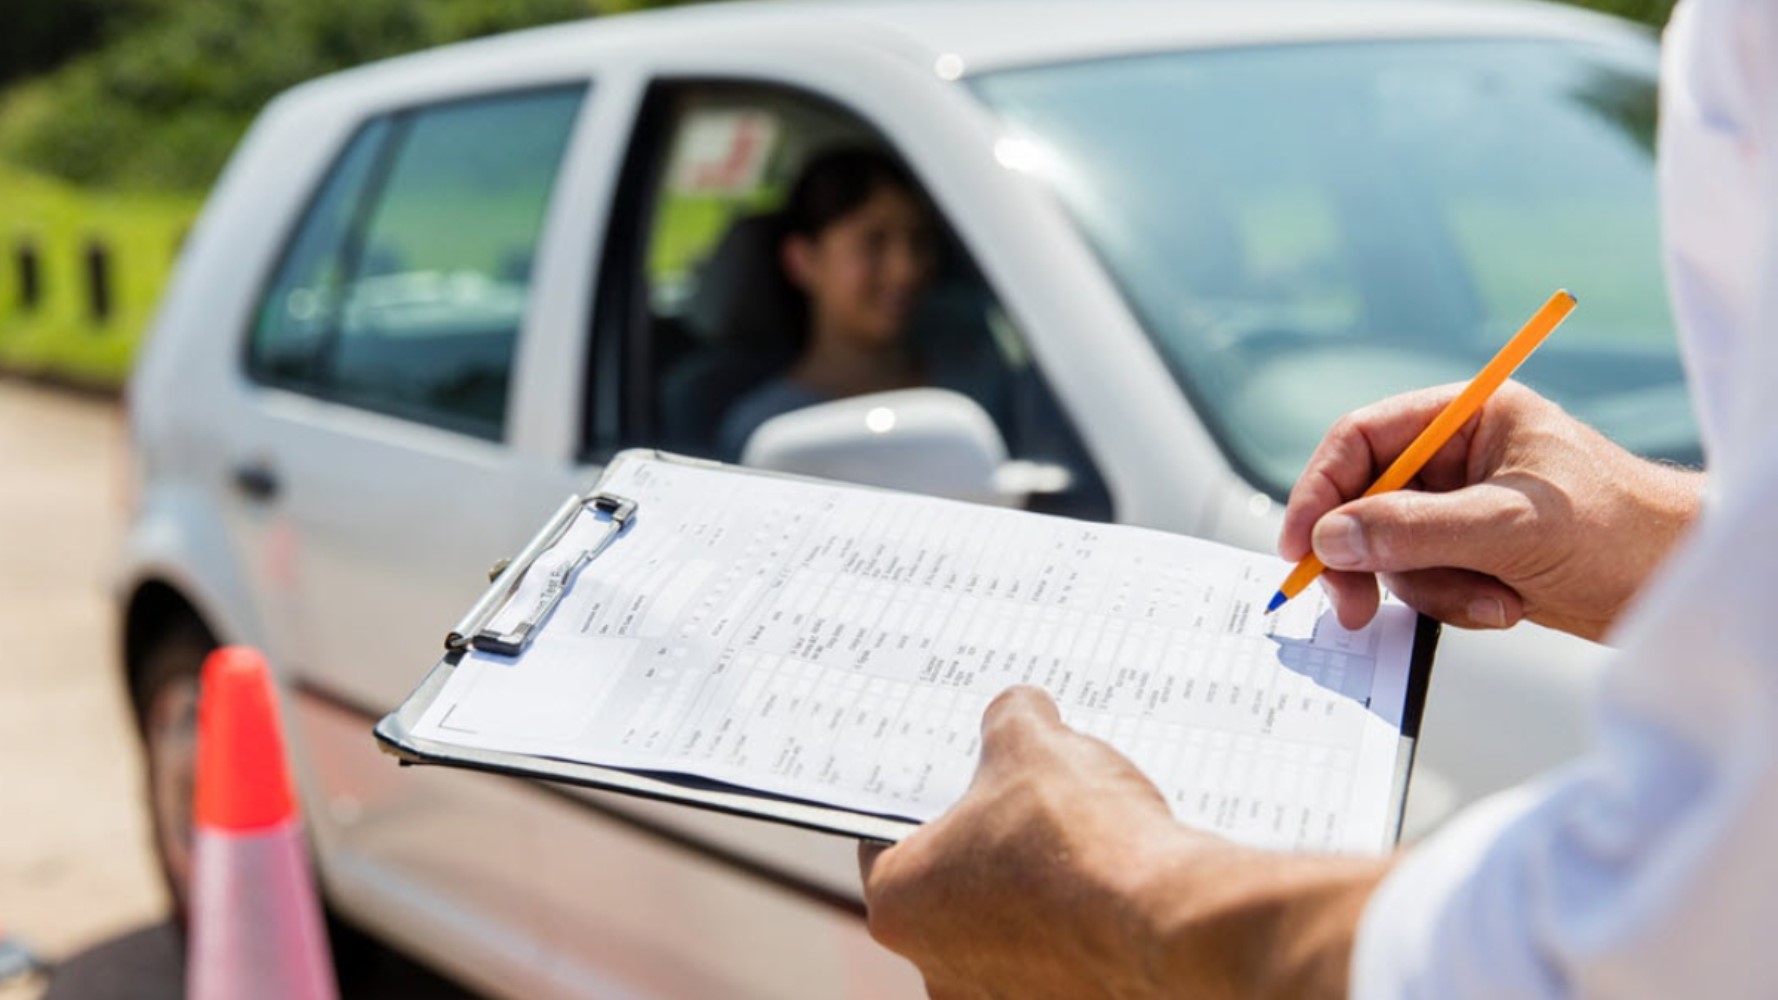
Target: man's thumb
(1478,527)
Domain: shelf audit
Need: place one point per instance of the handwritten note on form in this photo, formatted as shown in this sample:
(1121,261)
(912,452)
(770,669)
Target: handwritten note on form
(839,645)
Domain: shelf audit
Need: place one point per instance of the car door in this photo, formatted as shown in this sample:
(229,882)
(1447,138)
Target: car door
(376,479)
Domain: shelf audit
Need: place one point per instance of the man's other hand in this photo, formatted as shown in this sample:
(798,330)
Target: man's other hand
(1061,873)
(1526,513)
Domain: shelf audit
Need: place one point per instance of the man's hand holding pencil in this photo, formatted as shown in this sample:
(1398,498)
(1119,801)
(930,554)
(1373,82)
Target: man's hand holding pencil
(1525,513)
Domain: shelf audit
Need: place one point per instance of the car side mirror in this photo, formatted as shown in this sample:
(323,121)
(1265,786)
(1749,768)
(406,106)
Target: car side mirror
(932,441)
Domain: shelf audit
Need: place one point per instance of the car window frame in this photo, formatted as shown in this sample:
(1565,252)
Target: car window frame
(398,119)
(295,226)
(621,349)
(609,404)
(622,353)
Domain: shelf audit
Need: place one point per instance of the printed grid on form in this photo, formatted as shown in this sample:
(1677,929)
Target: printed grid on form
(839,645)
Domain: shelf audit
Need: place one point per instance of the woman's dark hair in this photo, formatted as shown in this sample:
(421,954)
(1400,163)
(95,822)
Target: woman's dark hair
(832,185)
(835,183)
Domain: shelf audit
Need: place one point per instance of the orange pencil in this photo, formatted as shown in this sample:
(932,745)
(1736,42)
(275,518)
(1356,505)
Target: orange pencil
(1452,418)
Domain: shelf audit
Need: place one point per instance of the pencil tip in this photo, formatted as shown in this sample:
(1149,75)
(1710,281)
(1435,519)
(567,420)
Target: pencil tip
(1277,602)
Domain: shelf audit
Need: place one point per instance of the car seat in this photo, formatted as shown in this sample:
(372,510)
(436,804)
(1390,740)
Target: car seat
(744,324)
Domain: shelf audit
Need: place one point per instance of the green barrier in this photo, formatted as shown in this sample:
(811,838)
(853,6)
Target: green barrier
(80,272)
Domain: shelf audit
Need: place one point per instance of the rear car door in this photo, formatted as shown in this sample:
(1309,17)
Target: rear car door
(373,481)
(376,478)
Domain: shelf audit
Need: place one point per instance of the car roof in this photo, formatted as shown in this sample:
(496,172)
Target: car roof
(977,36)
(995,34)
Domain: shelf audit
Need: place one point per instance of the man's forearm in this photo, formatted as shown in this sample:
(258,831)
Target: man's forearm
(1673,499)
(1259,924)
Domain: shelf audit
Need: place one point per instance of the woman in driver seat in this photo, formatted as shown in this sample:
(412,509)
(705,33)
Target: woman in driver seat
(858,246)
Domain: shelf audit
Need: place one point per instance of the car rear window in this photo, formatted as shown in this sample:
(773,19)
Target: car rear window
(406,284)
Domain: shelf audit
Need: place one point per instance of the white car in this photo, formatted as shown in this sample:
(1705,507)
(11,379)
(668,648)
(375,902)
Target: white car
(430,297)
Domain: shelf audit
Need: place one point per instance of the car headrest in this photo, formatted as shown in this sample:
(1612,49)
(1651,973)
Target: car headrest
(741,297)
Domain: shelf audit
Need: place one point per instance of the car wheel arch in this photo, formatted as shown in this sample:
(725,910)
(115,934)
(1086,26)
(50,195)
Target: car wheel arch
(155,609)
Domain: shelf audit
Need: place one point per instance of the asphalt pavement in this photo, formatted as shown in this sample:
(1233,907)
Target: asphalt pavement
(77,877)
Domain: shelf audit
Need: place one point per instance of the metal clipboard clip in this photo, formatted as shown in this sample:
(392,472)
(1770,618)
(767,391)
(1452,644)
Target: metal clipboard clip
(473,630)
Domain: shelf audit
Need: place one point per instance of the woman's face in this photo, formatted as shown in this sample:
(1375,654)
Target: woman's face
(865,271)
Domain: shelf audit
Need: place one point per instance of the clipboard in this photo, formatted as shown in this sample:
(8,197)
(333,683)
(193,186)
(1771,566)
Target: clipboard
(396,736)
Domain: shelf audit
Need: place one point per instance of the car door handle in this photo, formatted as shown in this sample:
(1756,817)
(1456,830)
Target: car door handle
(256,481)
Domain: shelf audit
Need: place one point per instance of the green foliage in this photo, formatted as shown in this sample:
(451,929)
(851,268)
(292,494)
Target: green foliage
(628,6)
(161,105)
(41,33)
(1653,12)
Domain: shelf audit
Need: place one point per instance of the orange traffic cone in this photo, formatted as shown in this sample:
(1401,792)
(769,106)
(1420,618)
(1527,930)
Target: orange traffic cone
(255,924)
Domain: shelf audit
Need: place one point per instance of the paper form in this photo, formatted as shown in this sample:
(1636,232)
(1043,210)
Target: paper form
(839,645)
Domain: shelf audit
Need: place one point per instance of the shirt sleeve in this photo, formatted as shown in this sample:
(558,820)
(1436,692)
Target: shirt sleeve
(1649,868)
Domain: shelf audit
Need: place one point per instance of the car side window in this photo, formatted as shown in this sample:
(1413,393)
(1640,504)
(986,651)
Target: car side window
(298,311)
(718,331)
(415,310)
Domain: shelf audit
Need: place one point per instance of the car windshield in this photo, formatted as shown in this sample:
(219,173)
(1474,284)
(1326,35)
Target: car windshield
(1305,228)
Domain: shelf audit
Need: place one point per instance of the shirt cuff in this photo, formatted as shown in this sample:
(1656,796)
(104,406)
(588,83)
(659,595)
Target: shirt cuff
(1413,942)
